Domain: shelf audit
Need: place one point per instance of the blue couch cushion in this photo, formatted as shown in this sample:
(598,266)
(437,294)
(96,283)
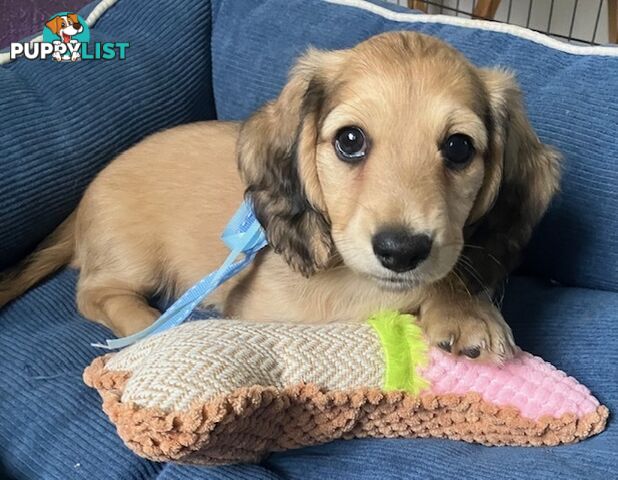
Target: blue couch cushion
(52,425)
(572,101)
(61,122)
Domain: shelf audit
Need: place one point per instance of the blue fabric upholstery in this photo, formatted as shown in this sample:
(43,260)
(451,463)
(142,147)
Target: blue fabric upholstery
(51,424)
(61,122)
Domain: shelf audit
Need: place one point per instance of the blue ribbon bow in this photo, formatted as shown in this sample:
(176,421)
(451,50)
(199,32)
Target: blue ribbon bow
(243,235)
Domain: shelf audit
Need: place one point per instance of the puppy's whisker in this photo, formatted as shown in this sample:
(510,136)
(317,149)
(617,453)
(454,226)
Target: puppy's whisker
(465,262)
(481,249)
(489,254)
(478,279)
(456,273)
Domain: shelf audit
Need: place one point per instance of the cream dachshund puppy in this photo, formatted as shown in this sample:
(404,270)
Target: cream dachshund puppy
(390,175)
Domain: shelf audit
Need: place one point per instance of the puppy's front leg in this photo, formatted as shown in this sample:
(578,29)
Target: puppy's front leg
(465,324)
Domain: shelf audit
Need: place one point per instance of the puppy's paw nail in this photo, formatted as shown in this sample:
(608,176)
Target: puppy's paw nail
(471,352)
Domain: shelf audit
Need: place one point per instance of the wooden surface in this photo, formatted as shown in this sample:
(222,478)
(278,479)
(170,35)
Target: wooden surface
(486,8)
(418,5)
(612,14)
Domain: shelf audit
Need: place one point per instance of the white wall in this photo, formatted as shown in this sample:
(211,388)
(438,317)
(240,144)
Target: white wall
(583,26)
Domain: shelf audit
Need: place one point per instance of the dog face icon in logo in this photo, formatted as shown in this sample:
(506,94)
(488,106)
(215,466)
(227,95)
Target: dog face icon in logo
(70,30)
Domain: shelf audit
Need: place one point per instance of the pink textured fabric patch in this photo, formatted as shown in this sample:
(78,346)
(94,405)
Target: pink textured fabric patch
(530,384)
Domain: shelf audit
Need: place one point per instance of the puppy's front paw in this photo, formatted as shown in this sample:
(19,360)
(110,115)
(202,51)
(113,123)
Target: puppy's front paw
(474,328)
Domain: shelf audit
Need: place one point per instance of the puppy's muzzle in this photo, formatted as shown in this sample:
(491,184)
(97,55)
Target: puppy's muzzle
(399,249)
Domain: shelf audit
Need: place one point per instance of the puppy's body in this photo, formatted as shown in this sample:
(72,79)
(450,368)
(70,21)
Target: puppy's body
(391,175)
(151,222)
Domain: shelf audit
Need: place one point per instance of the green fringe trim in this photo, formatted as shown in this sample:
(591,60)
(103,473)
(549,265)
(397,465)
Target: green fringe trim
(405,350)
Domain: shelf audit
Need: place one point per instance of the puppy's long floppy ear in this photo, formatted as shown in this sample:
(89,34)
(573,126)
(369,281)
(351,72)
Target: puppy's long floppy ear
(54,24)
(521,177)
(276,158)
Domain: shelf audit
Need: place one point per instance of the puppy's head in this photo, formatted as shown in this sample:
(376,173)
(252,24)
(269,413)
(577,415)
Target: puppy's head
(65,26)
(387,156)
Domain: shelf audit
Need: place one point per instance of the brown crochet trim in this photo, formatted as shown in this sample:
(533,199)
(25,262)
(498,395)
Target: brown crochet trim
(251,422)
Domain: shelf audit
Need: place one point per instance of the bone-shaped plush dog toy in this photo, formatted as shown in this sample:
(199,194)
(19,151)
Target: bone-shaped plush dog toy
(229,391)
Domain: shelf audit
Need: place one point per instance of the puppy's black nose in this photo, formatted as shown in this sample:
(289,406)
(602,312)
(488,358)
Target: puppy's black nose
(400,250)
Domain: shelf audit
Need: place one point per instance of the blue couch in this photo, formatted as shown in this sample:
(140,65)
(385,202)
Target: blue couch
(195,59)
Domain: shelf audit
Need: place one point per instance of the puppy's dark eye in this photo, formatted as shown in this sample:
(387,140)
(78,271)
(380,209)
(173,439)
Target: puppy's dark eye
(350,144)
(62,25)
(457,150)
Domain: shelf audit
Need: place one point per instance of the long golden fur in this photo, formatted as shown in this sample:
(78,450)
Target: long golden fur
(150,222)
